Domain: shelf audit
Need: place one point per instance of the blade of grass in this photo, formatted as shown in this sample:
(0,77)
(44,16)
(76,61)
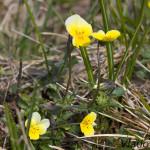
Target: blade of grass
(94,14)
(139,18)
(30,113)
(99,73)
(91,9)
(108,46)
(127,50)
(144,102)
(48,13)
(59,16)
(87,65)
(134,56)
(40,39)
(122,21)
(12,130)
(134,10)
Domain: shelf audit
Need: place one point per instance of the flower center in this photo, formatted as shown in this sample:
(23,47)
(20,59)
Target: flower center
(34,129)
(80,34)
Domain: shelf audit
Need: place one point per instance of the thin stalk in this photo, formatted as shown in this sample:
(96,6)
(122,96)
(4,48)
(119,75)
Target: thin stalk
(94,14)
(87,65)
(10,127)
(91,8)
(127,51)
(130,67)
(99,72)
(48,13)
(30,113)
(40,39)
(58,15)
(108,47)
(70,66)
(134,10)
(122,21)
(138,21)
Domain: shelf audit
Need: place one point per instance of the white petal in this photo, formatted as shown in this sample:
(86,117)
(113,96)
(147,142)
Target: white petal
(36,117)
(101,31)
(45,123)
(75,20)
(93,124)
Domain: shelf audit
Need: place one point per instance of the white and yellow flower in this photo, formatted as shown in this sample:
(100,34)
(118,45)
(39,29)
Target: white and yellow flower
(108,37)
(87,124)
(37,126)
(79,29)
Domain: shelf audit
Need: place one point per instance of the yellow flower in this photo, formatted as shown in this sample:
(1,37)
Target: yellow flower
(109,36)
(37,126)
(79,29)
(87,124)
(148,4)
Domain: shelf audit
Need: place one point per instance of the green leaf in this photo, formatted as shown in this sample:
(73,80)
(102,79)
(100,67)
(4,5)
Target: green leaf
(119,91)
(25,97)
(145,53)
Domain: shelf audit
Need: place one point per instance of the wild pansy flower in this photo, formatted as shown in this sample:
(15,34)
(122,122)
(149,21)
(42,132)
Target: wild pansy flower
(87,124)
(148,4)
(37,126)
(79,29)
(108,37)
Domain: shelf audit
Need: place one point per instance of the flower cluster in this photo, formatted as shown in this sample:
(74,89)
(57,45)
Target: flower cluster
(37,126)
(87,124)
(80,30)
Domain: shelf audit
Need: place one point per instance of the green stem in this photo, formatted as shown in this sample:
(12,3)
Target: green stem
(109,48)
(134,56)
(99,72)
(30,113)
(87,65)
(40,39)
(70,66)
(127,50)
(138,21)
(48,13)
(122,20)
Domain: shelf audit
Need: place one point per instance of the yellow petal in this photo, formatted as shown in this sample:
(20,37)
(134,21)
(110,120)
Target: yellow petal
(36,117)
(86,30)
(72,30)
(43,125)
(90,118)
(83,41)
(88,130)
(75,20)
(33,135)
(112,35)
(99,35)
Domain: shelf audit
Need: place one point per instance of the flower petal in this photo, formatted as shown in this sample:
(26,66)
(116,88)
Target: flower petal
(33,135)
(112,35)
(84,41)
(43,125)
(36,117)
(88,130)
(99,35)
(75,20)
(72,29)
(90,118)
(86,30)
